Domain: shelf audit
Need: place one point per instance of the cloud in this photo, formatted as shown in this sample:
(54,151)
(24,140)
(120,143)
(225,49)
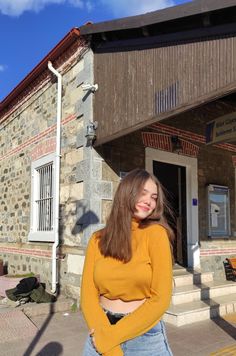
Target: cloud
(89,6)
(119,8)
(83,4)
(136,7)
(2,68)
(18,7)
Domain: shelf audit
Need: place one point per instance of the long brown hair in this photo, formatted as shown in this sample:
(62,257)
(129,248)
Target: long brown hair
(115,238)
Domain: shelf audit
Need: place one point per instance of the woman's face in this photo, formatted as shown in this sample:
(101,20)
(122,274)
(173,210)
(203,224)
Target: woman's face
(146,201)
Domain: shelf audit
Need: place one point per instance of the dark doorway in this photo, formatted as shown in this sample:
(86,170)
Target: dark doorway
(173,180)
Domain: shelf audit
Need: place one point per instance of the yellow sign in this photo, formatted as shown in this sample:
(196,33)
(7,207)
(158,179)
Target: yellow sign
(222,129)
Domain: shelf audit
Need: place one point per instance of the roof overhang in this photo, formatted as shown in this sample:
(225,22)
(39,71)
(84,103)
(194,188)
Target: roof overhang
(179,12)
(219,93)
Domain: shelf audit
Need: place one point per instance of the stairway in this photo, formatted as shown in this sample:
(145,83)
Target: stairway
(197,296)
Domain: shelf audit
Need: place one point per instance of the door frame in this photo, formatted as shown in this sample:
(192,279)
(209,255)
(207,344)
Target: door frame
(190,163)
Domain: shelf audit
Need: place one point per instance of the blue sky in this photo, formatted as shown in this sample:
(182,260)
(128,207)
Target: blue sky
(31,28)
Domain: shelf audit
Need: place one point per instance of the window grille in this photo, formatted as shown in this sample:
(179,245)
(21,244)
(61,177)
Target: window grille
(44,202)
(42,226)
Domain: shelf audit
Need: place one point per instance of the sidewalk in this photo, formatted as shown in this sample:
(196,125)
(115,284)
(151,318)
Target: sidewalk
(64,333)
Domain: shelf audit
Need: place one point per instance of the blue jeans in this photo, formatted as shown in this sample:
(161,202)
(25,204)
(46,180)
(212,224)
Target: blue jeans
(152,343)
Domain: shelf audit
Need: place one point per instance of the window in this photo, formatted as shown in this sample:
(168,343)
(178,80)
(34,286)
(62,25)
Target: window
(42,199)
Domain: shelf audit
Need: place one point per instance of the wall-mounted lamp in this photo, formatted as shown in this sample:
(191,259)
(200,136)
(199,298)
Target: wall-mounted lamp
(176,144)
(91,132)
(89,87)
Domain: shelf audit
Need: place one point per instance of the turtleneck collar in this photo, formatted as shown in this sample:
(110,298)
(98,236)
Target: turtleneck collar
(134,224)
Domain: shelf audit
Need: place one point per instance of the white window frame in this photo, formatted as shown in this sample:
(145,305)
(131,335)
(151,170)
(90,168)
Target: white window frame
(34,235)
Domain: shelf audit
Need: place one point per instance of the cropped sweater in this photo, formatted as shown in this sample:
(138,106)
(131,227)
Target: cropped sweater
(147,275)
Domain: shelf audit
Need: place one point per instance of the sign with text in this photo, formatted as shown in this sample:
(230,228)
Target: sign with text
(222,129)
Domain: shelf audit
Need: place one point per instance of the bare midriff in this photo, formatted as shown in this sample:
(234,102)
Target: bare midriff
(119,306)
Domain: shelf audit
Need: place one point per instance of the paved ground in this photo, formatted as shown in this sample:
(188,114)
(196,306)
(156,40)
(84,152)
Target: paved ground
(64,334)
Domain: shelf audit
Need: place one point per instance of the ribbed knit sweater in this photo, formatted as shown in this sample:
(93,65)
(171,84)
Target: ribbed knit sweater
(147,275)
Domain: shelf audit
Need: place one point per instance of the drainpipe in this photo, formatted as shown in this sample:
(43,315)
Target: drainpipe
(57,179)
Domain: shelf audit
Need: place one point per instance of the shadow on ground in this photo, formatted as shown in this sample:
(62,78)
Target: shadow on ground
(47,349)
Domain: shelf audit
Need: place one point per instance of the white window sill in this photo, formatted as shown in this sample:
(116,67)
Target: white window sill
(46,236)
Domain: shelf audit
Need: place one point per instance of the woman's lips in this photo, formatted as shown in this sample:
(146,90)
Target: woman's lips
(144,208)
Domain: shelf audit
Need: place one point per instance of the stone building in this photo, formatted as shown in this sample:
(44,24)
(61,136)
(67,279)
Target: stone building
(166,102)
(162,78)
(165,78)
(28,155)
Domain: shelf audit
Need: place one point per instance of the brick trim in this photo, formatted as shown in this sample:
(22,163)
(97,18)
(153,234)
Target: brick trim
(35,139)
(217,251)
(43,148)
(163,142)
(24,251)
(165,129)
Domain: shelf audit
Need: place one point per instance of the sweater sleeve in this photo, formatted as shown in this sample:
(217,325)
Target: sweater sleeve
(152,310)
(89,301)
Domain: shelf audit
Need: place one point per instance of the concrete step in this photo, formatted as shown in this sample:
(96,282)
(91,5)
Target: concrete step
(208,290)
(184,278)
(177,269)
(195,311)
(62,304)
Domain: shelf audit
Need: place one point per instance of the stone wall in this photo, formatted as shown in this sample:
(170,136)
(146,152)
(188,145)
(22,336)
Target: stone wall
(19,264)
(215,166)
(124,154)
(27,133)
(214,263)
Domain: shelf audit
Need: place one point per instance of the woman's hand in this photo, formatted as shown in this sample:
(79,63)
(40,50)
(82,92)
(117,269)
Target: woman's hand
(91,333)
(113,352)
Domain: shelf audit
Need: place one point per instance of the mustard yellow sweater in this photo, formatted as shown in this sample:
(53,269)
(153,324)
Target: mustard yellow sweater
(147,275)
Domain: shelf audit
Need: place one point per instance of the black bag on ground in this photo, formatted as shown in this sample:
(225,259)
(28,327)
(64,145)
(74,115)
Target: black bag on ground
(31,288)
(26,285)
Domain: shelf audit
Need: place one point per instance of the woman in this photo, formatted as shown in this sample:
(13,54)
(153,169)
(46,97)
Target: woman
(127,277)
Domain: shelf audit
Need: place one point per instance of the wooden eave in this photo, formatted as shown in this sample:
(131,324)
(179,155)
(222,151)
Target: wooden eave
(194,22)
(165,39)
(222,92)
(177,14)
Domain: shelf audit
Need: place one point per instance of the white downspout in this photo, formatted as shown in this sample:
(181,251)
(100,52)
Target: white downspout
(57,178)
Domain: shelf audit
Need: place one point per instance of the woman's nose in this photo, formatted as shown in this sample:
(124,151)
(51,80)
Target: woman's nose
(147,200)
